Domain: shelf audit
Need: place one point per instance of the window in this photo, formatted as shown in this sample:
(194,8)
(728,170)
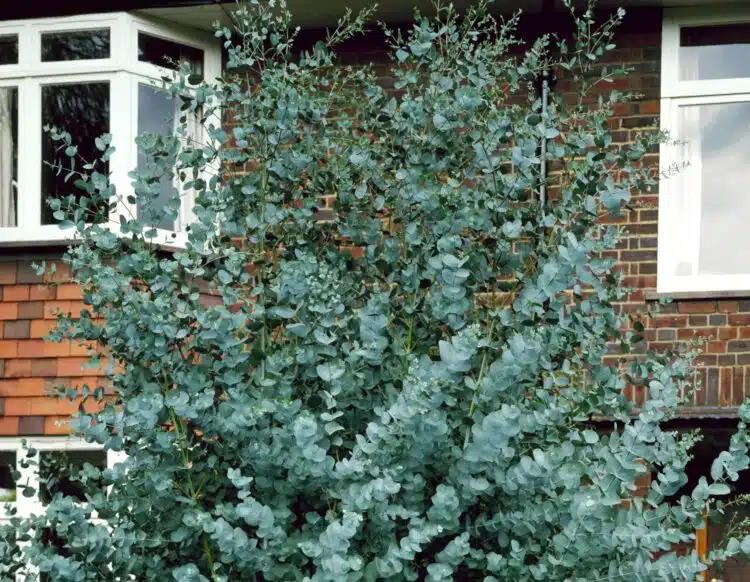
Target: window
(49,473)
(89,75)
(705,207)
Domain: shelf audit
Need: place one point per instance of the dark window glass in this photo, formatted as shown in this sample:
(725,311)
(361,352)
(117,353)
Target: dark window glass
(82,109)
(9,49)
(64,472)
(76,45)
(714,52)
(156,116)
(169,54)
(8,156)
(7,482)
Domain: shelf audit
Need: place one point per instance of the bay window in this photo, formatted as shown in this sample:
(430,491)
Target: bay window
(88,75)
(704,207)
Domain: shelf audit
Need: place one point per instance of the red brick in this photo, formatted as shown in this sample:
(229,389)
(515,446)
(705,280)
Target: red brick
(81,349)
(716,347)
(17,329)
(8,349)
(725,387)
(61,274)
(45,367)
(57,425)
(31,310)
(31,348)
(40,329)
(8,311)
(16,293)
(42,292)
(7,273)
(17,368)
(72,367)
(69,291)
(56,349)
(739,318)
(727,306)
(46,406)
(697,307)
(29,387)
(17,406)
(670,321)
(727,333)
(52,308)
(8,425)
(696,332)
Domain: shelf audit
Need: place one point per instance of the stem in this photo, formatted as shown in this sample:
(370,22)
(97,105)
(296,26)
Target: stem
(209,557)
(475,392)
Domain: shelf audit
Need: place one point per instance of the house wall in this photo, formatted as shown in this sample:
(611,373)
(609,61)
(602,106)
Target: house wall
(29,366)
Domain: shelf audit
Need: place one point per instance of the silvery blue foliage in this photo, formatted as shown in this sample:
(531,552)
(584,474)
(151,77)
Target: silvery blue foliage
(293,410)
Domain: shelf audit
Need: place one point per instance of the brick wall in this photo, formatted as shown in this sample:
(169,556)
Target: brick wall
(31,367)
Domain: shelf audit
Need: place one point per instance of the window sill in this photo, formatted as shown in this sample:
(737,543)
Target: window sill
(652,295)
(51,235)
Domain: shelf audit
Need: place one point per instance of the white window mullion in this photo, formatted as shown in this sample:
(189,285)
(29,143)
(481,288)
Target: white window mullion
(121,123)
(29,476)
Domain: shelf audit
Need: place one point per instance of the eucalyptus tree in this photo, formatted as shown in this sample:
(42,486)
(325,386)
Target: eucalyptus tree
(400,385)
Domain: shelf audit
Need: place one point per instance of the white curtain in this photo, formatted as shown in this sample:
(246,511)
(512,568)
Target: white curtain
(687,200)
(7,147)
(191,137)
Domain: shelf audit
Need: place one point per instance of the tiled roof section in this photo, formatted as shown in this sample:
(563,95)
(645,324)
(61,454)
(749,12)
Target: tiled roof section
(30,366)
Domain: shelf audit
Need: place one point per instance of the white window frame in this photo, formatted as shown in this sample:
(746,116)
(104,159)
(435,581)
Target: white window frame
(674,94)
(28,506)
(124,72)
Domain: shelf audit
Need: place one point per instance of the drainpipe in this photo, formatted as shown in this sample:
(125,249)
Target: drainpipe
(543,165)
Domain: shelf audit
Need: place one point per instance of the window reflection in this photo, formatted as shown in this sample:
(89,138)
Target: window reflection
(83,110)
(169,54)
(75,45)
(715,181)
(7,482)
(714,52)
(64,473)
(157,114)
(9,49)
(8,156)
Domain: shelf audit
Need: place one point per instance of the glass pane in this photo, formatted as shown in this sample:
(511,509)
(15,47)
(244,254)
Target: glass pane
(76,45)
(169,54)
(8,156)
(7,482)
(156,115)
(714,52)
(9,49)
(64,472)
(716,181)
(83,110)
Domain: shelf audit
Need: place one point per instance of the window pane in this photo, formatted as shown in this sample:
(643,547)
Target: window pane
(63,472)
(8,156)
(75,45)
(83,110)
(169,54)
(715,182)
(9,49)
(714,52)
(7,482)
(156,115)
